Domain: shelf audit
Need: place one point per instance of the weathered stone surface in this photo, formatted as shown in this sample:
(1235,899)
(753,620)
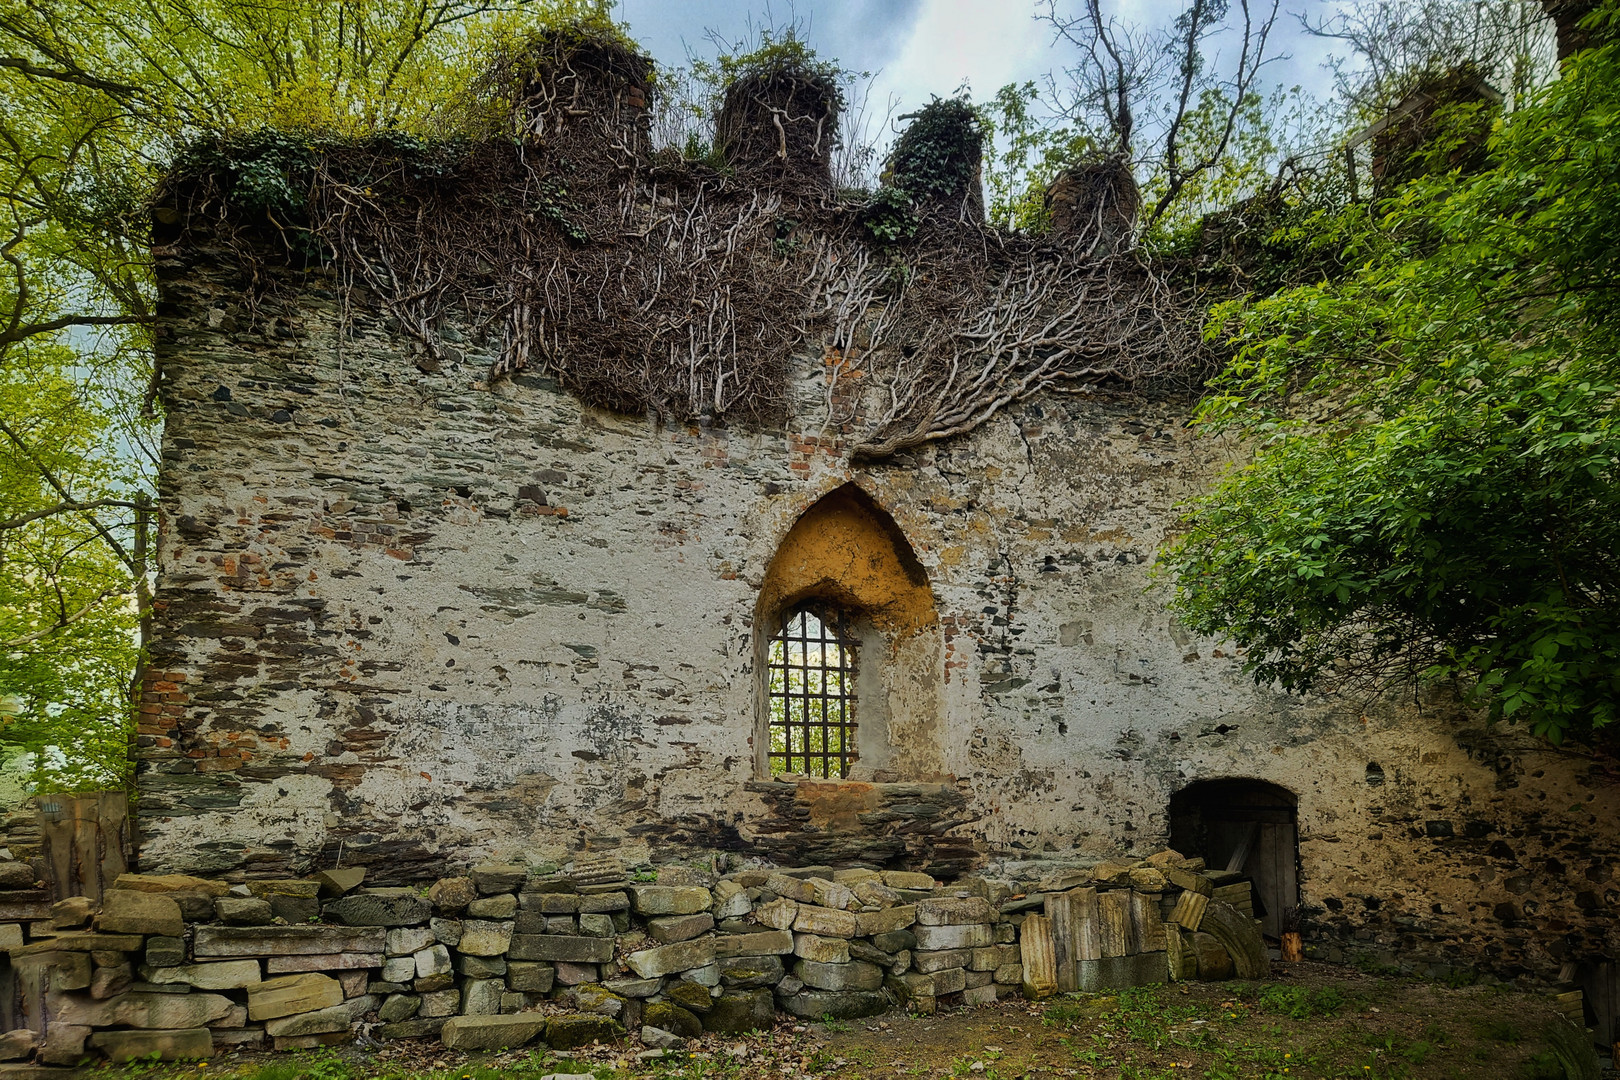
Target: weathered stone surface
(420,1028)
(954,911)
(825,922)
(671,1017)
(949,980)
(1122,972)
(887,921)
(575,950)
(738,1011)
(452,894)
(379,907)
(221,975)
(598,1000)
(183,1045)
(111,980)
(821,950)
(492,1032)
(964,936)
(142,1010)
(668,959)
(938,961)
(318,1022)
(64,1043)
(659,1039)
(530,977)
(572,974)
(905,879)
(669,899)
(446,930)
(243,911)
(480,937)
(895,941)
(750,972)
(286,995)
(400,969)
(498,877)
(70,914)
(399,1007)
(285,965)
(1210,958)
(979,995)
(503,906)
(285,941)
(855,975)
(635,988)
(778,914)
(16,1045)
(338,882)
(694,997)
(602,925)
(16,874)
(165,951)
(440,1003)
(669,929)
(480,967)
(409,940)
(163,883)
(431,961)
(74,941)
(428,984)
(572,1032)
(125,911)
(482,997)
(815,1004)
(764,943)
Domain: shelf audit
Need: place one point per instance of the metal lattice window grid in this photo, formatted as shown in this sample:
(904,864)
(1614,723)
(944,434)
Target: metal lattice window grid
(812,694)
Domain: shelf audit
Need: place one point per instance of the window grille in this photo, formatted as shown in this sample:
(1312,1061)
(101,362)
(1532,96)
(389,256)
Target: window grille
(812,694)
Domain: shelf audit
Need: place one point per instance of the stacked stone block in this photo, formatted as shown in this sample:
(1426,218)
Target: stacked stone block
(183,967)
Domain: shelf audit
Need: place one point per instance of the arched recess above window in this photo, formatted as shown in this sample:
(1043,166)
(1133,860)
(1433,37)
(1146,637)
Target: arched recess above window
(846,561)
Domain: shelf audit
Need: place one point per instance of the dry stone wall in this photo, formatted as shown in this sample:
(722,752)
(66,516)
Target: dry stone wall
(410,621)
(183,967)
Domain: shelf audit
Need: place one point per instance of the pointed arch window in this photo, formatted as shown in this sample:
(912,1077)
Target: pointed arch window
(811,665)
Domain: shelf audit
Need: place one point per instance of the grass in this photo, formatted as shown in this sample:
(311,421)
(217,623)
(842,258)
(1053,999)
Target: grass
(1320,1023)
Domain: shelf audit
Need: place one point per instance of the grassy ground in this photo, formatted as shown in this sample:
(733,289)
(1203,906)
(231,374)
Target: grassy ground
(1316,1023)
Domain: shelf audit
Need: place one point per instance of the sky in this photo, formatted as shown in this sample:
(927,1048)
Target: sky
(920,48)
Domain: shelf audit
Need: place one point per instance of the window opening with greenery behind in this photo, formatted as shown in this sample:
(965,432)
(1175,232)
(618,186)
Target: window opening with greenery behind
(812,693)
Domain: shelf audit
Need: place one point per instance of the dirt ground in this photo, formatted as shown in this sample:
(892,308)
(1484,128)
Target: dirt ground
(1313,1022)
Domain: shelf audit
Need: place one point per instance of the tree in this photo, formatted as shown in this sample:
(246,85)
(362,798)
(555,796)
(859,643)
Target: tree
(99,96)
(1157,99)
(1435,493)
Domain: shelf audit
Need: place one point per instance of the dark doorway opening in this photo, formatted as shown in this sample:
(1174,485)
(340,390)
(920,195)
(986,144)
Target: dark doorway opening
(1247,826)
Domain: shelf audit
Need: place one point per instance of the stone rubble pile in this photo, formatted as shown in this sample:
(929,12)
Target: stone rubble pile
(184,967)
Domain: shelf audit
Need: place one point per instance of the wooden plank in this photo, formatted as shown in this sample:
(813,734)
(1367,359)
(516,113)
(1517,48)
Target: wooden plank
(1240,854)
(1037,951)
(1147,923)
(1115,931)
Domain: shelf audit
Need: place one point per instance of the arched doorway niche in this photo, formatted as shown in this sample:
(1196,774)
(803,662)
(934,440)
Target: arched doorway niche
(1249,826)
(845,558)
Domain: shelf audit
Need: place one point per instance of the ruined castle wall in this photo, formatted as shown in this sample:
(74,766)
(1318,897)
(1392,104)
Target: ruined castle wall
(424,621)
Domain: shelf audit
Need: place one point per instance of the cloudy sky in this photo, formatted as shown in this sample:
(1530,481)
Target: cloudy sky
(919,48)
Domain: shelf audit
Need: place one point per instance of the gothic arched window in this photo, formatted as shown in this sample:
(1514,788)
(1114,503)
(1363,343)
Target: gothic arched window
(811,666)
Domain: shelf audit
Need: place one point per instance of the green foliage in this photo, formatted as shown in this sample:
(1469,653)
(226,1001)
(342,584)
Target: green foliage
(889,216)
(937,155)
(67,620)
(1301,1002)
(1434,492)
(1024,156)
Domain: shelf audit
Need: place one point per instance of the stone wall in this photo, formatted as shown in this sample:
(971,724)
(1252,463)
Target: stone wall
(410,621)
(184,967)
